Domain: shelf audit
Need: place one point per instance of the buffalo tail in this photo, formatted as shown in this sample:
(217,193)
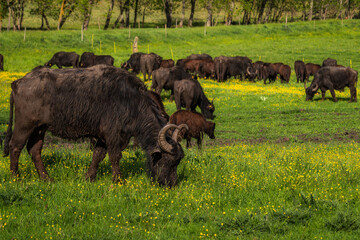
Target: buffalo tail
(9,130)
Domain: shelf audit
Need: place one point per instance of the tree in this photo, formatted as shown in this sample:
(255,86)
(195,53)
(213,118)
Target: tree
(108,16)
(85,7)
(66,9)
(42,8)
(168,5)
(182,14)
(192,11)
(16,12)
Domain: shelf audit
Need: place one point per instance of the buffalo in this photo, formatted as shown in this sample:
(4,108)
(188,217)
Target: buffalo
(333,78)
(197,124)
(268,72)
(188,93)
(142,62)
(239,66)
(1,62)
(164,78)
(311,69)
(64,59)
(329,62)
(300,71)
(89,59)
(167,63)
(284,72)
(101,102)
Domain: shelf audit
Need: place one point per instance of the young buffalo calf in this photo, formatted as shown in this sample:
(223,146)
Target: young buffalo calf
(197,126)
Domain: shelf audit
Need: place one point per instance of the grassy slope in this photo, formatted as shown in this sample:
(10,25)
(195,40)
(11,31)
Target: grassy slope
(280,167)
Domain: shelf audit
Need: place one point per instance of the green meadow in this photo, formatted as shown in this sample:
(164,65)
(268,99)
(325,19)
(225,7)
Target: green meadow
(280,167)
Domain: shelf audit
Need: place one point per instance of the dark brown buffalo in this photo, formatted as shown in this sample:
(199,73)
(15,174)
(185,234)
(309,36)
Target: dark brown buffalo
(64,59)
(202,56)
(200,67)
(197,124)
(89,59)
(167,63)
(188,93)
(311,69)
(300,71)
(258,65)
(333,78)
(329,62)
(149,63)
(142,62)
(1,62)
(164,78)
(101,102)
(238,66)
(284,72)
(268,72)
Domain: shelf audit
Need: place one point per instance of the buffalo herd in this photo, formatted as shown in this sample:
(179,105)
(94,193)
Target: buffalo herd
(110,105)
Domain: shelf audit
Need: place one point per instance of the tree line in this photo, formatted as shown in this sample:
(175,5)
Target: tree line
(244,11)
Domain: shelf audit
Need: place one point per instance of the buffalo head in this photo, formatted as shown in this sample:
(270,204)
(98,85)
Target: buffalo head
(209,109)
(310,91)
(166,158)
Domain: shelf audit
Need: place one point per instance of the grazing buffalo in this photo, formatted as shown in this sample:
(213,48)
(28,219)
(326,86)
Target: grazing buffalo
(200,67)
(64,59)
(284,72)
(258,65)
(329,62)
(101,102)
(202,56)
(1,62)
(142,62)
(197,124)
(149,63)
(268,72)
(188,93)
(300,71)
(330,78)
(311,69)
(164,78)
(239,66)
(167,63)
(89,59)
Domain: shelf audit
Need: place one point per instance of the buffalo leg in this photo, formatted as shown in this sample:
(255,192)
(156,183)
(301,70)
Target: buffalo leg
(17,143)
(323,95)
(34,147)
(333,94)
(114,156)
(353,97)
(98,155)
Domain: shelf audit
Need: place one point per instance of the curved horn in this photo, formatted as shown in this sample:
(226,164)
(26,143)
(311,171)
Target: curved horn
(248,71)
(163,144)
(213,100)
(315,88)
(175,135)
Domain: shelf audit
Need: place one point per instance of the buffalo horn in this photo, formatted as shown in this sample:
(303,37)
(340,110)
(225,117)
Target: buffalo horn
(163,144)
(248,71)
(316,87)
(175,135)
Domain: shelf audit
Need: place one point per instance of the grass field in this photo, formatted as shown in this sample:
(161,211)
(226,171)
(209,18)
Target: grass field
(280,167)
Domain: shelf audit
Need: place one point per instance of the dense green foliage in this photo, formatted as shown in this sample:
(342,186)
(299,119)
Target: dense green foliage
(280,167)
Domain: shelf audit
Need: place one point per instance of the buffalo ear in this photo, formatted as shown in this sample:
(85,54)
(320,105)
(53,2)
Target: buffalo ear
(156,155)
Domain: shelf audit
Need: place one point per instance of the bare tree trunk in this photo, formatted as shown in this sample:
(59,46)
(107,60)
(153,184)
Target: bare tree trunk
(21,13)
(168,12)
(107,21)
(261,10)
(46,22)
(340,14)
(192,11)
(88,15)
(120,17)
(311,10)
(230,13)
(182,14)
(42,22)
(135,13)
(349,16)
(143,17)
(127,14)
(268,13)
(61,14)
(210,13)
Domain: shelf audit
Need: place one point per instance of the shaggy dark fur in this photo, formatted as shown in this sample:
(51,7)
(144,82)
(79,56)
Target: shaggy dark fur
(189,94)
(311,69)
(300,71)
(101,102)
(89,59)
(268,72)
(284,72)
(197,124)
(329,62)
(333,77)
(149,63)
(157,99)
(238,66)
(167,63)
(1,62)
(64,59)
